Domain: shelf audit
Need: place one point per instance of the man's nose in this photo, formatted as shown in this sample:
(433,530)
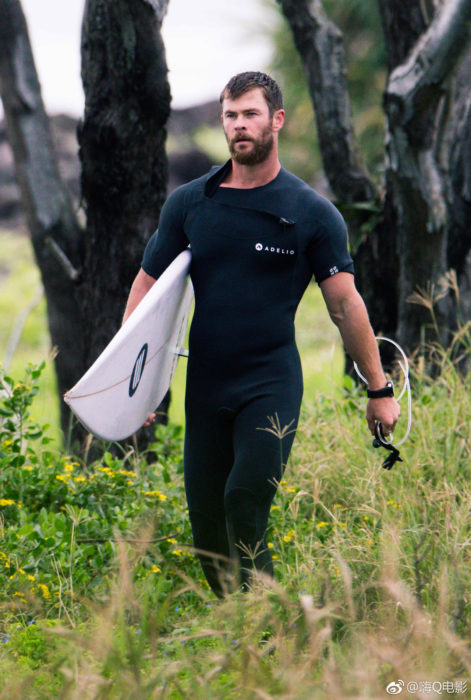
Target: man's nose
(240,123)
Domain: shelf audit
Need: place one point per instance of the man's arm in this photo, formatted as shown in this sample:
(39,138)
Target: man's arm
(347,310)
(141,285)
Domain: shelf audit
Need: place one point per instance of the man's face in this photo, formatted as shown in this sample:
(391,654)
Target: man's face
(248,127)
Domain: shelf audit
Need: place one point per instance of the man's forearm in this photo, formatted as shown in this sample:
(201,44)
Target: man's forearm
(360,342)
(139,289)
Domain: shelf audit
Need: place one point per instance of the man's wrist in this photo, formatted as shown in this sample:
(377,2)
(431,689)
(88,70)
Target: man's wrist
(383,392)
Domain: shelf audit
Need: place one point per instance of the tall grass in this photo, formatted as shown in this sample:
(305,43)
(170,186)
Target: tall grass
(372,580)
(372,567)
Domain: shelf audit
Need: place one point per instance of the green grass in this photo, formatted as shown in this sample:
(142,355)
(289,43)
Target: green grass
(102,597)
(20,286)
(372,568)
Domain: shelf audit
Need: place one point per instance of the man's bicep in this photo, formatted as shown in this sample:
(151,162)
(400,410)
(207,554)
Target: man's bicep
(337,290)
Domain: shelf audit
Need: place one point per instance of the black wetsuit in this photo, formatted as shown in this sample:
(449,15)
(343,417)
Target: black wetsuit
(254,252)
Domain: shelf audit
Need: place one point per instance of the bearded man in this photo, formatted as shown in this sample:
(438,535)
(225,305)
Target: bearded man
(257,235)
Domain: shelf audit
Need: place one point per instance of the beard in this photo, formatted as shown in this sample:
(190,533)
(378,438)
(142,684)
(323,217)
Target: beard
(259,152)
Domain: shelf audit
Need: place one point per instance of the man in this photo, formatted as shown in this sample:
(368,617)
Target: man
(257,235)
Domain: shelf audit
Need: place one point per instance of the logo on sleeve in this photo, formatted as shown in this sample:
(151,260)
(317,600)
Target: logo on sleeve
(273,249)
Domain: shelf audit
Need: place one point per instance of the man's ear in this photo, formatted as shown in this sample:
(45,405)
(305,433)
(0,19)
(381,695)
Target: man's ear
(278,119)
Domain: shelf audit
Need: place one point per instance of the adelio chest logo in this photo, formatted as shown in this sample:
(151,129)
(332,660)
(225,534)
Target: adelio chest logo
(273,249)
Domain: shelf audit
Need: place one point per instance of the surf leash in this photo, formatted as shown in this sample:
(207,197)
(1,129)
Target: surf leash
(380,440)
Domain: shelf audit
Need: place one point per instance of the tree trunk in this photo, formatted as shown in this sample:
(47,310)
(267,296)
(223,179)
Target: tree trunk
(122,150)
(418,109)
(422,224)
(55,234)
(458,192)
(124,171)
(320,46)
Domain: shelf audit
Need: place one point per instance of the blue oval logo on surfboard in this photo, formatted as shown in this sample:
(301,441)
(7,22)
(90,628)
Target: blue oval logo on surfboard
(138,370)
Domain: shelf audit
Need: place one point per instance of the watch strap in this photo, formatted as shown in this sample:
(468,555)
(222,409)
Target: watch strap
(385,392)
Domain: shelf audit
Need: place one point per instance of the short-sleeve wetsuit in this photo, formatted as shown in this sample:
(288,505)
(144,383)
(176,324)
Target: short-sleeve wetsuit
(254,252)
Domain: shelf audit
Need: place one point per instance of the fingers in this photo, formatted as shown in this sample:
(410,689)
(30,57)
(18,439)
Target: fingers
(385,411)
(150,420)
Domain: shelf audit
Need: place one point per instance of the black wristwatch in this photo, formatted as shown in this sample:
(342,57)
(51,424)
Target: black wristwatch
(386,391)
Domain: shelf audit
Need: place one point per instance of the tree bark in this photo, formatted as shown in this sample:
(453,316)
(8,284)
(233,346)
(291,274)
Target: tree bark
(124,163)
(421,226)
(124,172)
(122,150)
(320,46)
(417,105)
(56,236)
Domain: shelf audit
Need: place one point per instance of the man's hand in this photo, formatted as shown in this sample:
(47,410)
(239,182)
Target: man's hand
(385,411)
(150,420)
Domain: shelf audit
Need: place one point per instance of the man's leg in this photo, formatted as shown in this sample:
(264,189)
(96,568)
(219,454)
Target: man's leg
(208,460)
(261,450)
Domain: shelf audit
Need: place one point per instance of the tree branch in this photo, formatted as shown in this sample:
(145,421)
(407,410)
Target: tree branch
(320,46)
(44,196)
(417,104)
(433,59)
(159,7)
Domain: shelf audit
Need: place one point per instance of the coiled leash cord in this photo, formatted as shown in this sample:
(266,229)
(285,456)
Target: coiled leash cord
(380,440)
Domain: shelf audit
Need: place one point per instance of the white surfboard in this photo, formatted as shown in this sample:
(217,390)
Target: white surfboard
(133,373)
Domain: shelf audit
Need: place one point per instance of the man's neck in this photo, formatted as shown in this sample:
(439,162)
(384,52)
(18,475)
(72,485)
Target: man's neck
(250,176)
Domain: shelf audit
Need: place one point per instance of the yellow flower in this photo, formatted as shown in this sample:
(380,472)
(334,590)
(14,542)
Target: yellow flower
(177,552)
(30,577)
(394,505)
(321,524)
(155,569)
(106,470)
(27,467)
(289,536)
(275,507)
(270,545)
(156,494)
(68,467)
(7,502)
(291,489)
(44,590)
(170,540)
(61,477)
(126,472)
(79,479)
